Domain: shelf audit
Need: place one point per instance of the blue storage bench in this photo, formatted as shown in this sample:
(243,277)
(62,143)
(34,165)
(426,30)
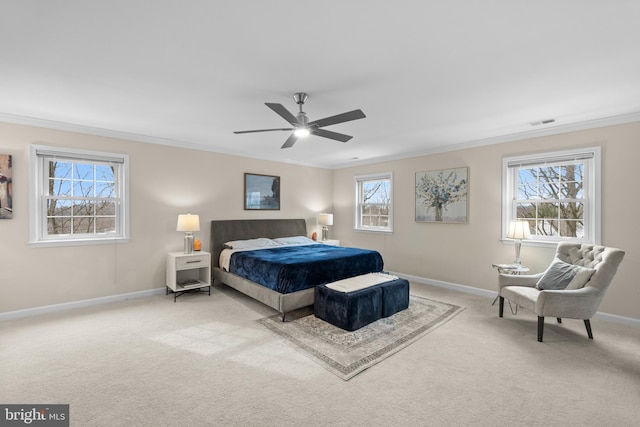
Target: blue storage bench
(353,310)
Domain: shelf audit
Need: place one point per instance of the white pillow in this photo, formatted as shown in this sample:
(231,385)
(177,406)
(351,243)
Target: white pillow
(581,278)
(294,240)
(260,242)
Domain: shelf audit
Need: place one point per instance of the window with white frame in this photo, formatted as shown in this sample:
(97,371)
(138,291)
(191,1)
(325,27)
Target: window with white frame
(78,196)
(558,193)
(374,208)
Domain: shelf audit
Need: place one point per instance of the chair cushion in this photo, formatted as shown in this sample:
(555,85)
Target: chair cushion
(560,274)
(523,296)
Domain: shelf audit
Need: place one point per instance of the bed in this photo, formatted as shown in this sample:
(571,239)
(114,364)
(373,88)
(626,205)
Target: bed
(282,300)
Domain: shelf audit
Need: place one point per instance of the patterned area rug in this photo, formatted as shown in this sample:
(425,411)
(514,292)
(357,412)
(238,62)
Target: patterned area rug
(346,354)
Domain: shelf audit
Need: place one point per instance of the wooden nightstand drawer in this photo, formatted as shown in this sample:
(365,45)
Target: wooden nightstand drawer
(194,261)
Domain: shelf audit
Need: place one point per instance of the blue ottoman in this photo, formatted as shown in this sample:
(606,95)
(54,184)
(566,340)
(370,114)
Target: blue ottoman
(395,296)
(353,310)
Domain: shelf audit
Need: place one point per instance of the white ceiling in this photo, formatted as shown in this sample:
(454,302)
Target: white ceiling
(430,75)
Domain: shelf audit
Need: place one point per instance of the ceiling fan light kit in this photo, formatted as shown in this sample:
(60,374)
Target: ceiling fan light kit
(301,132)
(302,127)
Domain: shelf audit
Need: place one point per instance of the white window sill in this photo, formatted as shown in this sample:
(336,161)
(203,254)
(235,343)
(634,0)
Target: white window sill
(78,242)
(373,230)
(541,243)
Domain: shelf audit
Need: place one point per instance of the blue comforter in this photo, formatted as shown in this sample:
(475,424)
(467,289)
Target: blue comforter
(293,268)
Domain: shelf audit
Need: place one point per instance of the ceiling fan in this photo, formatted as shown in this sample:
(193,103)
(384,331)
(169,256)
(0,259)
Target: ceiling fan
(303,127)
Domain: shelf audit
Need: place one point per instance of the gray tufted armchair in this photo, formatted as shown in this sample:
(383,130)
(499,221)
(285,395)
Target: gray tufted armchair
(578,301)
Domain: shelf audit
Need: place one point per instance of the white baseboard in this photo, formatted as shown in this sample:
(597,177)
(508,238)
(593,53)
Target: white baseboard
(617,319)
(78,304)
(141,294)
(491,294)
(447,285)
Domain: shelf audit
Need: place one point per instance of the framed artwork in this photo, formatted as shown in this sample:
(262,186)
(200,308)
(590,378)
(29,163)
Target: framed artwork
(261,192)
(6,187)
(442,196)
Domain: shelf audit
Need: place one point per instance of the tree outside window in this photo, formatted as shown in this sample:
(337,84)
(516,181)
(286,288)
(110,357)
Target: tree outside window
(558,193)
(374,202)
(552,199)
(81,198)
(78,197)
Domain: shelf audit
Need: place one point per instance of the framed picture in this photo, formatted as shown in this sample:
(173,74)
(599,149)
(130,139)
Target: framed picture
(261,192)
(442,196)
(6,187)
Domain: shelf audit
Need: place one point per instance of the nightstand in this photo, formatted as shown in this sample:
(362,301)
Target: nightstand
(188,272)
(331,242)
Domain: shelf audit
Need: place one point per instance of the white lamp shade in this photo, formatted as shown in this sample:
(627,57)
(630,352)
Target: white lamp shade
(325,219)
(519,229)
(188,222)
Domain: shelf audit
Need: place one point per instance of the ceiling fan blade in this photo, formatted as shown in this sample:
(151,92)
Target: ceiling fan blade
(290,141)
(283,112)
(331,135)
(261,130)
(339,118)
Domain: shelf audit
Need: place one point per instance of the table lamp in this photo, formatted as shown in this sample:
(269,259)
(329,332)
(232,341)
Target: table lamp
(518,230)
(325,219)
(188,223)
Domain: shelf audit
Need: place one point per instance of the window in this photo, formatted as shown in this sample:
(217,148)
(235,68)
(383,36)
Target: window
(557,193)
(78,196)
(374,209)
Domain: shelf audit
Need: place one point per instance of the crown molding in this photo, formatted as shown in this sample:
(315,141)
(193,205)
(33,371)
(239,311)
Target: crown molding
(535,133)
(109,133)
(513,137)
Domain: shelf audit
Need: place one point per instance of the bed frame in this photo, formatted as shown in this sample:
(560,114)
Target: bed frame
(241,229)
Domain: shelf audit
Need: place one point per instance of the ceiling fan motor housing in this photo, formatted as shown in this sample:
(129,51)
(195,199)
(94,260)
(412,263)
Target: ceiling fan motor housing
(303,120)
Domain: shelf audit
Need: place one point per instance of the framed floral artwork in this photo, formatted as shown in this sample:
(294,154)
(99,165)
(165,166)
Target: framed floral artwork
(442,196)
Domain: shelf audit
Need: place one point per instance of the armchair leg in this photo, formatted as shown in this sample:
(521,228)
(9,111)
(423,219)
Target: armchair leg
(540,328)
(587,324)
(501,310)
(559,319)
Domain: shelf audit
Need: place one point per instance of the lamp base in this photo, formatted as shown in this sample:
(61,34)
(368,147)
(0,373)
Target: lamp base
(517,244)
(325,232)
(188,242)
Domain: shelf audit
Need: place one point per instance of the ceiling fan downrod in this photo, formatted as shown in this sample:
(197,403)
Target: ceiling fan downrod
(300,98)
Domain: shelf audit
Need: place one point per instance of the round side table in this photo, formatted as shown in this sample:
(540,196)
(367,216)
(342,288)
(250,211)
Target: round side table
(509,269)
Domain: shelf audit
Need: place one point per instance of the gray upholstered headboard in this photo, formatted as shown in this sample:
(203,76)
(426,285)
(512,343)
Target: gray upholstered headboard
(241,229)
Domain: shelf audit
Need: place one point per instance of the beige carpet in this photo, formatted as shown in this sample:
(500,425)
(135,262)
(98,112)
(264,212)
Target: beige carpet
(206,361)
(345,353)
